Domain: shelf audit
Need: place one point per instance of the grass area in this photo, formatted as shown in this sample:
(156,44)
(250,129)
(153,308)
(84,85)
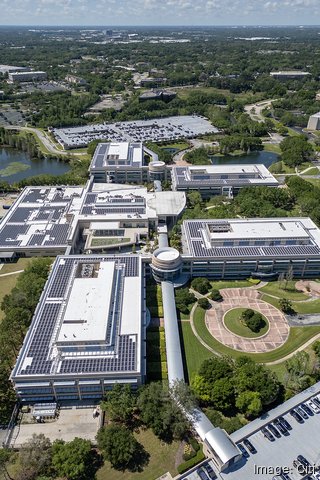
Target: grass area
(234,283)
(271,147)
(21,264)
(233,322)
(194,353)
(162,459)
(312,306)
(297,337)
(97,241)
(283,289)
(13,168)
(154,299)
(314,181)
(6,285)
(313,171)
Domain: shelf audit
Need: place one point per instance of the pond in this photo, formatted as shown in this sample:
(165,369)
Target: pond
(267,158)
(16,165)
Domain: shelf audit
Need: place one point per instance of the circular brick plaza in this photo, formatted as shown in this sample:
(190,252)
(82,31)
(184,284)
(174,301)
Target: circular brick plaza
(247,298)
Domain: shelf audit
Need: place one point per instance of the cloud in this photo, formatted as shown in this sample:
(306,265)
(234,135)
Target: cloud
(135,12)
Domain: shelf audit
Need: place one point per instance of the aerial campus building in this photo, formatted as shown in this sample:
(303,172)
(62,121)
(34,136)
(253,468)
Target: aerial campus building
(49,221)
(314,122)
(18,77)
(88,331)
(258,247)
(126,162)
(225,180)
(290,75)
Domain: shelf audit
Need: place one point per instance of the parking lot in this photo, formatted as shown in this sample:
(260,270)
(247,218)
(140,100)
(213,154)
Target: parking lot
(303,439)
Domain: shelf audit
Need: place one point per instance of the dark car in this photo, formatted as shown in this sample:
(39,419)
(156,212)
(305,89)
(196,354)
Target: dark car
(267,434)
(296,416)
(249,446)
(209,471)
(274,431)
(303,460)
(307,409)
(299,466)
(285,423)
(285,476)
(302,413)
(202,474)
(282,429)
(243,450)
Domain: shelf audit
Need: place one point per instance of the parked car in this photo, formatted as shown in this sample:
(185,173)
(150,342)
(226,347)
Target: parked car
(296,416)
(303,460)
(249,446)
(267,434)
(316,400)
(285,476)
(282,429)
(314,407)
(274,430)
(285,423)
(202,474)
(307,409)
(243,450)
(209,471)
(302,413)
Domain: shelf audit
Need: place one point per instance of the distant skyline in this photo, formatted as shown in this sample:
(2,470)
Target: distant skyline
(159,12)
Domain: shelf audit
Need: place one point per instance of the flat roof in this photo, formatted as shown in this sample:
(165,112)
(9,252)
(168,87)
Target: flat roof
(86,315)
(89,319)
(270,237)
(222,175)
(117,155)
(41,217)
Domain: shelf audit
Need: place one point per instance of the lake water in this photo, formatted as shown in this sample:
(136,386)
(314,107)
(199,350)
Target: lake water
(267,158)
(16,165)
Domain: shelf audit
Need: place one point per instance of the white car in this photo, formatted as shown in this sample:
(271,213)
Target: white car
(313,406)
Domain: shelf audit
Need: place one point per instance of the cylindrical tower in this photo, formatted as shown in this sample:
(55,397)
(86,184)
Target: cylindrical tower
(166,264)
(157,170)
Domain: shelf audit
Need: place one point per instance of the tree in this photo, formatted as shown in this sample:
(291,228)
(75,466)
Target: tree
(194,198)
(247,314)
(182,393)
(295,150)
(183,299)
(5,455)
(215,295)
(201,388)
(255,322)
(249,403)
(204,303)
(72,460)
(34,457)
(118,446)
(223,394)
(120,403)
(286,306)
(201,285)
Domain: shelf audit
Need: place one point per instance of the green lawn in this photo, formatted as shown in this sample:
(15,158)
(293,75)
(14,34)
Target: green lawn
(6,285)
(271,147)
(314,181)
(194,353)
(297,337)
(233,283)
(16,266)
(232,321)
(162,460)
(278,289)
(177,145)
(313,171)
(312,306)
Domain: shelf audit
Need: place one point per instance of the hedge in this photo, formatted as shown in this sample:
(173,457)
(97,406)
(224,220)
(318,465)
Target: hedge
(183,467)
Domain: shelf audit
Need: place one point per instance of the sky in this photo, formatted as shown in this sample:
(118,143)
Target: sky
(159,12)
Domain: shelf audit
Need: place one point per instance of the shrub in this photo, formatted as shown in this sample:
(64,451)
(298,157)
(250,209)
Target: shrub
(256,322)
(204,303)
(202,285)
(183,467)
(216,296)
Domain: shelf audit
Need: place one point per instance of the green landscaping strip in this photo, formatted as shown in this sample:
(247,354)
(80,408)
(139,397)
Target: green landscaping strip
(281,291)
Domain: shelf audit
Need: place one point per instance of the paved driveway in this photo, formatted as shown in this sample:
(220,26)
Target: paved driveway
(247,298)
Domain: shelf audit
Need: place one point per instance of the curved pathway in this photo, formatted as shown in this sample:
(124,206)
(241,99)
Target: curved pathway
(245,298)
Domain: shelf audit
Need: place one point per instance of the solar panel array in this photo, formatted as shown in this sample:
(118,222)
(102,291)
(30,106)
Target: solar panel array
(12,231)
(49,315)
(32,196)
(37,239)
(58,234)
(198,249)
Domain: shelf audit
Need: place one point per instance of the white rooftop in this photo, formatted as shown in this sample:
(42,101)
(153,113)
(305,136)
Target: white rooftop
(86,315)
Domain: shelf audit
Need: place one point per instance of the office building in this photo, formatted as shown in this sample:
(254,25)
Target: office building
(257,247)
(88,331)
(289,75)
(19,77)
(314,122)
(226,180)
